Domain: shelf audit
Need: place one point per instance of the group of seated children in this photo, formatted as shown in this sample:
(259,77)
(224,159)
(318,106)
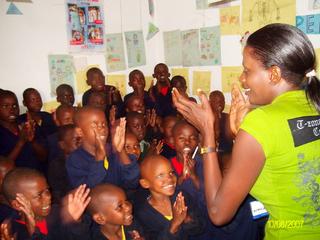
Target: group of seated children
(111,169)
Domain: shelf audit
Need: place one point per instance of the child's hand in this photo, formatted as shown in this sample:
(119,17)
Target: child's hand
(5,231)
(25,207)
(112,115)
(152,117)
(75,203)
(118,139)
(179,213)
(135,235)
(239,108)
(155,147)
(100,148)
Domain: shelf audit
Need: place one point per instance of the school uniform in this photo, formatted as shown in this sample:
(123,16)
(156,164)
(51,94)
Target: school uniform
(163,101)
(7,212)
(148,103)
(156,226)
(54,150)
(83,168)
(168,151)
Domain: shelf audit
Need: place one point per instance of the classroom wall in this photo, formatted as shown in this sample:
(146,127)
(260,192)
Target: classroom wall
(27,40)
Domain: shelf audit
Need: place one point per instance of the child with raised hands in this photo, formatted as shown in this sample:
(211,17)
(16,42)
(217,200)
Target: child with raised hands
(96,161)
(165,213)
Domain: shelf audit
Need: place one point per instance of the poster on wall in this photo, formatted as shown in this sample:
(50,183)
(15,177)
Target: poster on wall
(172,48)
(309,24)
(190,47)
(258,13)
(135,48)
(210,53)
(115,52)
(230,20)
(85,25)
(61,70)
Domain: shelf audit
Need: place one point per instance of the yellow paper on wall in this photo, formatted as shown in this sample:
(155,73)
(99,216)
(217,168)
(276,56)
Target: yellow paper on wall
(82,79)
(230,20)
(149,80)
(258,13)
(229,75)
(51,106)
(184,72)
(202,80)
(119,81)
(318,62)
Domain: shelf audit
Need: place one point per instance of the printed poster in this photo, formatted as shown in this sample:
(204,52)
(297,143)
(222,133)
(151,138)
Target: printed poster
(201,80)
(119,81)
(190,48)
(258,13)
(309,24)
(230,75)
(172,48)
(184,72)
(61,70)
(135,48)
(210,50)
(85,25)
(115,59)
(230,20)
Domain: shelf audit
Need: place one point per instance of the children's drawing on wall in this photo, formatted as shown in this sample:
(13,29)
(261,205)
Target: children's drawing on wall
(190,47)
(85,25)
(115,52)
(201,80)
(230,20)
(230,75)
(210,50)
(257,13)
(61,70)
(314,4)
(172,48)
(135,48)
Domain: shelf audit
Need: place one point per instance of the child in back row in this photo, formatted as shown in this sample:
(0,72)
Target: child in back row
(165,213)
(17,141)
(96,161)
(65,95)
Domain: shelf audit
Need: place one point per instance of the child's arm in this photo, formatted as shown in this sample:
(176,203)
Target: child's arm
(179,213)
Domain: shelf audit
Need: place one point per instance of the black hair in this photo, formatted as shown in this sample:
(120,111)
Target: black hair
(290,49)
(63,108)
(177,79)
(130,98)
(63,86)
(14,177)
(28,91)
(134,72)
(93,70)
(132,115)
(217,93)
(7,93)
(160,64)
(180,124)
(63,130)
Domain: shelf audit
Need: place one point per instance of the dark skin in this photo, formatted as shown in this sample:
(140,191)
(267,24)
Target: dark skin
(33,102)
(137,82)
(224,194)
(5,166)
(8,119)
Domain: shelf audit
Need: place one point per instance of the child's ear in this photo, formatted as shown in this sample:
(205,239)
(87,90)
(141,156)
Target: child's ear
(169,75)
(153,75)
(15,205)
(24,103)
(99,218)
(144,183)
(275,74)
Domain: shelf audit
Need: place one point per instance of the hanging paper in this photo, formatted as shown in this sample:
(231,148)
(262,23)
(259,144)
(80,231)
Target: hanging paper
(184,72)
(201,80)
(314,4)
(85,25)
(230,20)
(151,7)
(258,13)
(230,75)
(119,81)
(13,10)
(309,24)
(135,48)
(61,71)
(153,30)
(190,48)
(115,52)
(202,4)
(172,48)
(210,46)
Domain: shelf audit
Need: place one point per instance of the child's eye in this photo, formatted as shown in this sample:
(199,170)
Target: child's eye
(160,176)
(171,173)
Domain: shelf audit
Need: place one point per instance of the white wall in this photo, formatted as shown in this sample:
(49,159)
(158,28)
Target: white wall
(26,40)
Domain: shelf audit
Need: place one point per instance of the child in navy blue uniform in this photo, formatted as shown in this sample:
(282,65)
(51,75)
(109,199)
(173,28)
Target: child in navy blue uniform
(17,142)
(168,149)
(138,83)
(65,94)
(112,213)
(165,213)
(161,92)
(95,161)
(43,121)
